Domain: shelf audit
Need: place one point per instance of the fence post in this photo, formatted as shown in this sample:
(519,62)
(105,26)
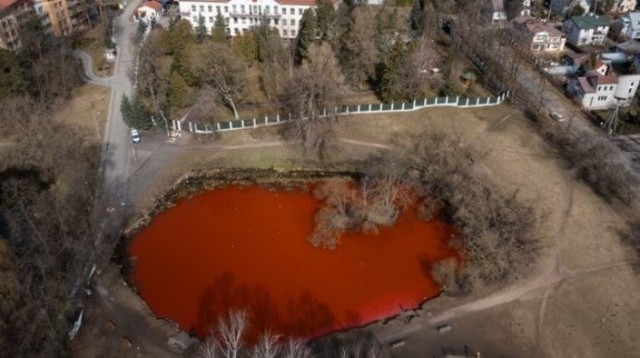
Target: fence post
(289,116)
(218,125)
(277,117)
(241,123)
(403,106)
(467,101)
(414,103)
(254,122)
(369,107)
(190,127)
(324,112)
(446,100)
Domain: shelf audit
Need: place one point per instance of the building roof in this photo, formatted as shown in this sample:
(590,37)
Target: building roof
(498,5)
(6,3)
(586,86)
(535,27)
(590,21)
(634,19)
(523,19)
(152,4)
(631,47)
(595,79)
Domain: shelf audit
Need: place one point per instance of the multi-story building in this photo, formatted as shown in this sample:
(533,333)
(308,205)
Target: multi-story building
(62,17)
(540,36)
(631,25)
(622,6)
(12,14)
(586,30)
(241,15)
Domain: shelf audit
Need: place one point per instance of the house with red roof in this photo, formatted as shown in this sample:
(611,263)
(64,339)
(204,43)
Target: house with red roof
(149,11)
(601,88)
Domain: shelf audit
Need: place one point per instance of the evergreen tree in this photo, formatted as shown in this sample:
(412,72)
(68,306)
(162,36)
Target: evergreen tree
(245,46)
(385,32)
(142,29)
(306,36)
(325,20)
(177,91)
(219,31)
(201,30)
(390,73)
(126,111)
(416,17)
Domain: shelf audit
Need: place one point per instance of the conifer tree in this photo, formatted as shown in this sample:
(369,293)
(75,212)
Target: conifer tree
(201,30)
(219,31)
(325,20)
(306,36)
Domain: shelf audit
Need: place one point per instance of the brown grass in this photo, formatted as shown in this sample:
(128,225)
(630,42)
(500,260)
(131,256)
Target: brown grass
(87,108)
(92,43)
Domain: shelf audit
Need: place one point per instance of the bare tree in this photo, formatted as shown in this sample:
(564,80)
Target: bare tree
(267,347)
(231,332)
(217,65)
(154,75)
(295,348)
(310,96)
(208,348)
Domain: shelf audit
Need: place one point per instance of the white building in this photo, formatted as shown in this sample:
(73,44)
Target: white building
(241,15)
(631,25)
(622,6)
(526,8)
(562,7)
(540,36)
(586,30)
(597,91)
(498,15)
(149,11)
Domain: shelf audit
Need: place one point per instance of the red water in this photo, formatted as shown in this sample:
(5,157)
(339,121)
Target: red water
(246,247)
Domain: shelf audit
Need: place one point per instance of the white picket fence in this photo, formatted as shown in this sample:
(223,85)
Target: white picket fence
(450,101)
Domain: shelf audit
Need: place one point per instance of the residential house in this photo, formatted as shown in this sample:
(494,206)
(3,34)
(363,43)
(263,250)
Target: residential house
(498,15)
(541,36)
(602,89)
(563,7)
(149,11)
(622,6)
(631,25)
(525,10)
(586,30)
(241,15)
(12,14)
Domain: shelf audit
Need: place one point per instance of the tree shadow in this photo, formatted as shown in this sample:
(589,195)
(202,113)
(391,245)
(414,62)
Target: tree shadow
(304,315)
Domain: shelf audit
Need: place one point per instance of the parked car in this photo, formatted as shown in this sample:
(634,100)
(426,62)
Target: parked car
(135,136)
(557,116)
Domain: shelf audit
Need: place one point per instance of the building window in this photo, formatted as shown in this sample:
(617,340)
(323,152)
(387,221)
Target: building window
(293,32)
(211,19)
(202,8)
(293,22)
(275,21)
(226,9)
(233,8)
(218,9)
(210,8)
(291,11)
(193,8)
(284,22)
(266,10)
(235,20)
(285,33)
(300,11)
(242,9)
(195,19)
(275,10)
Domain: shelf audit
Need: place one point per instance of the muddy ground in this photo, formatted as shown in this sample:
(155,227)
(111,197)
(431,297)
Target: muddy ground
(582,301)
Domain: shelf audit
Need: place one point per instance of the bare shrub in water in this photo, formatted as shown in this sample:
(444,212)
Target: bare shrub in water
(370,203)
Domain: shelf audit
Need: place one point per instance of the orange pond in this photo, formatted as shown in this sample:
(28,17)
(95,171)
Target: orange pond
(246,247)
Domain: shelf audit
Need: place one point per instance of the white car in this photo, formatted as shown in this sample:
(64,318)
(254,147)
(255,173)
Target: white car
(135,136)
(557,116)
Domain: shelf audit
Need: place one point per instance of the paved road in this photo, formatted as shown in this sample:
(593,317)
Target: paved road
(117,146)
